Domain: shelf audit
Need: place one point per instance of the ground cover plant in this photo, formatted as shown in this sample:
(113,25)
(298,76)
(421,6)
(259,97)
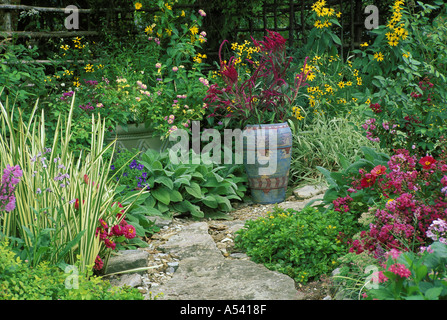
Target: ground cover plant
(47,282)
(303,244)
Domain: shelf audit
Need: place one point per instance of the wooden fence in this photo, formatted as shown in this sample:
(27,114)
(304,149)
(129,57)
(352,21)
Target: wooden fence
(285,16)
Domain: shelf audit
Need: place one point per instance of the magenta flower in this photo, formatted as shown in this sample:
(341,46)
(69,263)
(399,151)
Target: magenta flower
(129,231)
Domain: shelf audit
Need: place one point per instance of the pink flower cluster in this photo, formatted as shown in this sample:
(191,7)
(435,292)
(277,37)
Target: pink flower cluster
(342,204)
(438,231)
(370,126)
(415,200)
(10,179)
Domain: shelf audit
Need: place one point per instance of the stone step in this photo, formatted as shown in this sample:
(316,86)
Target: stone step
(204,274)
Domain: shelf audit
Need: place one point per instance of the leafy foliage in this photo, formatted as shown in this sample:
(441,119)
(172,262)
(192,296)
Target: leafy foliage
(185,188)
(47,282)
(302,244)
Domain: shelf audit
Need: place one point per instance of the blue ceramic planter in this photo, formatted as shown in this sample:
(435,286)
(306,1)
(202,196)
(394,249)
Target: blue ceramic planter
(267,156)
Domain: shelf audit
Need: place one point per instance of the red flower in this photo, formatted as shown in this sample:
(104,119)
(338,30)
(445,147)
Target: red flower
(368,180)
(129,231)
(110,244)
(427,162)
(98,263)
(86,179)
(378,170)
(102,233)
(273,42)
(229,73)
(375,107)
(118,230)
(76,204)
(103,223)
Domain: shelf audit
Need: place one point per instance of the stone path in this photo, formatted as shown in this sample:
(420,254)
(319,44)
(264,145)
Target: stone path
(193,260)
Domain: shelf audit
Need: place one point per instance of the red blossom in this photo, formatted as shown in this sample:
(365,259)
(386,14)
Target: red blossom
(98,263)
(368,180)
(378,170)
(427,162)
(129,231)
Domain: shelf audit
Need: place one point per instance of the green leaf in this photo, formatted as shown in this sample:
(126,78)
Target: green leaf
(335,38)
(162,194)
(433,293)
(194,190)
(181,181)
(327,175)
(224,203)
(176,196)
(210,201)
(193,209)
(165,181)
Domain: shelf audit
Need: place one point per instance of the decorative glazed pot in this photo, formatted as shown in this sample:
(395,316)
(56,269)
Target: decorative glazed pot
(136,136)
(267,156)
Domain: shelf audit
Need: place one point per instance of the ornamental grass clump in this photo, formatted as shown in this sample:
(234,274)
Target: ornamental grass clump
(61,199)
(267,96)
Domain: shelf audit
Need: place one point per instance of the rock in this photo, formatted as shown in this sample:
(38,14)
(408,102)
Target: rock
(203,268)
(131,280)
(308,192)
(173,265)
(239,255)
(202,278)
(191,241)
(127,260)
(160,221)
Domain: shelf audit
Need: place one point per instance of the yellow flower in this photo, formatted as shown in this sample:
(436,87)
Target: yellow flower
(365,44)
(168,6)
(89,68)
(168,31)
(183,13)
(138,6)
(341,84)
(296,111)
(378,56)
(406,55)
(194,30)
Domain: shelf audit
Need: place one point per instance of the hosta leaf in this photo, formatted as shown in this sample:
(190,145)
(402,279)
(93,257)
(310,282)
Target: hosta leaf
(162,194)
(194,190)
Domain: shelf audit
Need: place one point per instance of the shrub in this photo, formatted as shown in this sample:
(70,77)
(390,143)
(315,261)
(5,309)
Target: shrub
(47,282)
(303,245)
